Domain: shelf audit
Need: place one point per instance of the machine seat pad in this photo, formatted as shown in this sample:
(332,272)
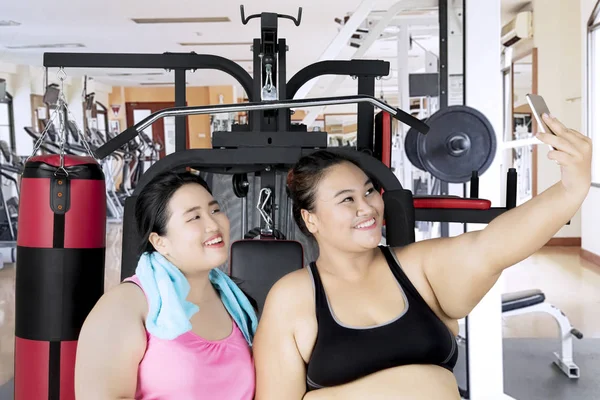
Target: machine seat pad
(451,202)
(261,263)
(526,298)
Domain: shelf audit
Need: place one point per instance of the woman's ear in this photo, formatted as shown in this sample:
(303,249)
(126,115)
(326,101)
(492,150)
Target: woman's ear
(310,220)
(159,243)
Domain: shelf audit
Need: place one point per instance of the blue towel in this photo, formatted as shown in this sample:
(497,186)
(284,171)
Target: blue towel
(167,289)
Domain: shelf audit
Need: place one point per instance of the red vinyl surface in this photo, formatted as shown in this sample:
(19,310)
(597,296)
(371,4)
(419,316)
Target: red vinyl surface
(85,222)
(68,350)
(472,204)
(36,219)
(386,152)
(31,369)
(70,161)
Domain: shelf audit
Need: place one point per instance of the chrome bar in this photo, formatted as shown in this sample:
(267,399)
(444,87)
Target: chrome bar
(133,131)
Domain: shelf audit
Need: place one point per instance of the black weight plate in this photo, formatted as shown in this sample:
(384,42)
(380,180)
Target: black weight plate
(452,160)
(410,148)
(240,185)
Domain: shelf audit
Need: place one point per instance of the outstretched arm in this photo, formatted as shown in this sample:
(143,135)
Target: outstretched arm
(462,269)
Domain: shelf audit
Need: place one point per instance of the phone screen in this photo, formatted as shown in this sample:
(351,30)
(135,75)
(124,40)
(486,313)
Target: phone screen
(539,108)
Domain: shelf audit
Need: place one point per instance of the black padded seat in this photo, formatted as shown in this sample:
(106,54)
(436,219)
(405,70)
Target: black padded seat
(526,298)
(261,263)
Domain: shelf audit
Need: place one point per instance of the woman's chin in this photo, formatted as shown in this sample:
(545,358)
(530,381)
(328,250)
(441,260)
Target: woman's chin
(215,258)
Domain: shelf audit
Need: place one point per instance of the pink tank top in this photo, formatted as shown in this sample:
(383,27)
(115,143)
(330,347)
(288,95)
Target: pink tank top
(190,367)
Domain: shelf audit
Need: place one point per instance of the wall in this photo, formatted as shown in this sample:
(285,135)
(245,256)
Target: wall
(557,36)
(19,86)
(198,125)
(590,229)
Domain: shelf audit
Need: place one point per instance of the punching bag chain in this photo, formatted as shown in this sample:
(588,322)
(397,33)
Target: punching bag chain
(61,108)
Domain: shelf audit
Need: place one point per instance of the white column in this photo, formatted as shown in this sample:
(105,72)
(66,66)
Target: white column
(484,92)
(22,109)
(404,171)
(75,101)
(456,74)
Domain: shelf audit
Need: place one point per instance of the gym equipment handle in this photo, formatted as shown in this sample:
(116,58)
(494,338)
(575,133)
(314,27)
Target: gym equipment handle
(295,20)
(130,133)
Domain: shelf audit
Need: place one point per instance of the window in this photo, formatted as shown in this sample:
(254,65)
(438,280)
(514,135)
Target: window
(593,91)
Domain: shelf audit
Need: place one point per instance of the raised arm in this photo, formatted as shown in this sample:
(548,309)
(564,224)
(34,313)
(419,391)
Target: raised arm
(111,344)
(462,269)
(280,369)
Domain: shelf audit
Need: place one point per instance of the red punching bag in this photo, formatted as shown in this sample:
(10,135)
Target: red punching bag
(60,270)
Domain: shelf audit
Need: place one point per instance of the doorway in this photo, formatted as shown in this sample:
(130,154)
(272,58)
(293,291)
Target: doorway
(162,132)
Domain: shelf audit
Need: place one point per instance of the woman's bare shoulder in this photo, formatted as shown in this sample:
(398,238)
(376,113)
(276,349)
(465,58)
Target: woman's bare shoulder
(292,291)
(126,300)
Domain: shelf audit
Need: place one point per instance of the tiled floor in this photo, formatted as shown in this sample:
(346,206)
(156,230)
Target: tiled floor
(569,283)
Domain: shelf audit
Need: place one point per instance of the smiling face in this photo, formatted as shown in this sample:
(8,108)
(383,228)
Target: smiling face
(197,231)
(348,211)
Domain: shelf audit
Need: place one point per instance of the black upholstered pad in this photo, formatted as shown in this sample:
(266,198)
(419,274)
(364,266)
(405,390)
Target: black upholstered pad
(261,263)
(518,300)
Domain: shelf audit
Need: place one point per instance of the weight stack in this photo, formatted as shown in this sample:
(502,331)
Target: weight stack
(60,270)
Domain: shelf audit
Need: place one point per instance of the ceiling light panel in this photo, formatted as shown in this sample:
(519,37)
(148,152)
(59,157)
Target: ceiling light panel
(203,20)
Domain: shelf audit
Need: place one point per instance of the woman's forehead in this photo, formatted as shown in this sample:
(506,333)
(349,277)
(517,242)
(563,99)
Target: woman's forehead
(341,177)
(190,195)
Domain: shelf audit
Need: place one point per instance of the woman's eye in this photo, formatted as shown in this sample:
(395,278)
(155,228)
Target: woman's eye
(195,217)
(216,210)
(370,191)
(347,198)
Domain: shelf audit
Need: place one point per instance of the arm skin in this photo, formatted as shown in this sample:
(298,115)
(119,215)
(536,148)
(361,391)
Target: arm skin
(111,345)
(280,369)
(462,269)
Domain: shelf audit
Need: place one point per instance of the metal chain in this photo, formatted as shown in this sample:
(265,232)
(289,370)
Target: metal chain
(64,114)
(40,140)
(83,138)
(61,110)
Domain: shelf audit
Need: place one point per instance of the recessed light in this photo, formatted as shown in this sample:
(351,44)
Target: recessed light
(46,46)
(216,44)
(159,83)
(116,74)
(9,23)
(180,20)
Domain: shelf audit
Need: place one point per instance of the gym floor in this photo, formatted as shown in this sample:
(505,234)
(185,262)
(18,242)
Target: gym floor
(569,282)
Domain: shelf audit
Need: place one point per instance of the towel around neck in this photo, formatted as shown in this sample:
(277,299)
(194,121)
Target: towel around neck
(167,289)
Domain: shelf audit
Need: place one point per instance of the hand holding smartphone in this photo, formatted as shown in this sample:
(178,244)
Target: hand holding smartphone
(538,108)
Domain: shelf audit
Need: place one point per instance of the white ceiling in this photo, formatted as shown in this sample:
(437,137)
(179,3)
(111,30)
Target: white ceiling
(107,26)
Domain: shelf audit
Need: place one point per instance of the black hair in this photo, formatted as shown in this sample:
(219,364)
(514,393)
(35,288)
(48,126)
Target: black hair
(152,204)
(152,210)
(304,177)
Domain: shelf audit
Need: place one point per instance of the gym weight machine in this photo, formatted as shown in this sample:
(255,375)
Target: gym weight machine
(253,151)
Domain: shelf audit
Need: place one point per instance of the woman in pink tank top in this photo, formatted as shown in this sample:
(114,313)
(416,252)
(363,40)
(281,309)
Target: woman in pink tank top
(117,358)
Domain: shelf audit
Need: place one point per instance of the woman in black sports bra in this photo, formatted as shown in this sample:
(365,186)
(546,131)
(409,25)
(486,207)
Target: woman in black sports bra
(371,322)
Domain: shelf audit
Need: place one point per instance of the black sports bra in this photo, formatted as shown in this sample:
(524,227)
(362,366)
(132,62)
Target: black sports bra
(343,354)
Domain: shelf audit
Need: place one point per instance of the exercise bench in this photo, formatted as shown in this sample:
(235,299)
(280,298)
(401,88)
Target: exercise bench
(534,301)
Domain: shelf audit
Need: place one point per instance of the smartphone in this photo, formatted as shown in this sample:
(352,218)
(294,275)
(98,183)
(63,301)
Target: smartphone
(538,108)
